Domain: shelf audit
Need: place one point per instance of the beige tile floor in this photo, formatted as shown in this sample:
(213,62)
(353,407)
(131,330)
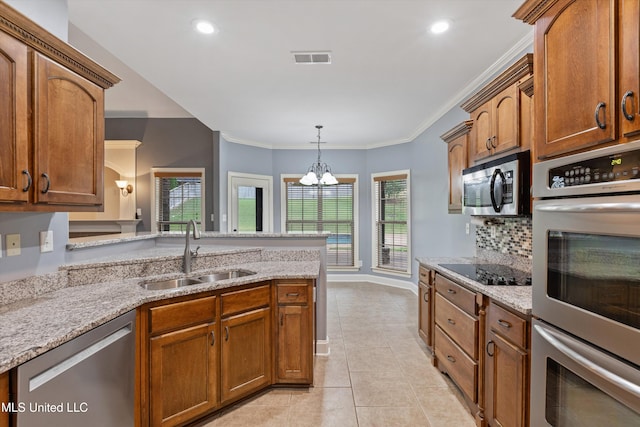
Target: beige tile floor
(379,372)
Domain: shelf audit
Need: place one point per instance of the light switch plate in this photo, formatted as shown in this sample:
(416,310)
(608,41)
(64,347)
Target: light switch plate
(46,241)
(13,244)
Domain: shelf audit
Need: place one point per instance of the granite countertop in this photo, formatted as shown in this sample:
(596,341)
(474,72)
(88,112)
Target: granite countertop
(517,298)
(34,325)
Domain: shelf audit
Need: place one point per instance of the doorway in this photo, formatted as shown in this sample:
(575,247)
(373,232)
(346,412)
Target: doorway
(249,203)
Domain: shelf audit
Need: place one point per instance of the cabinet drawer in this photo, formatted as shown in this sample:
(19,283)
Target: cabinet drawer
(292,293)
(507,324)
(460,296)
(182,314)
(461,327)
(244,300)
(460,367)
(424,275)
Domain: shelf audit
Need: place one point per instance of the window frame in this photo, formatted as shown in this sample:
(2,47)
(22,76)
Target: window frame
(177,171)
(374,223)
(356,212)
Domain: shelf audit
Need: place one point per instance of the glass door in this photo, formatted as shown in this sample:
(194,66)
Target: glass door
(250,207)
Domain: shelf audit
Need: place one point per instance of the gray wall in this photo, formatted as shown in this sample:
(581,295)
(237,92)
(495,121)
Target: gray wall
(170,143)
(434,232)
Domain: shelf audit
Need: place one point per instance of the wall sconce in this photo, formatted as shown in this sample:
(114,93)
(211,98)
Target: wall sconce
(125,187)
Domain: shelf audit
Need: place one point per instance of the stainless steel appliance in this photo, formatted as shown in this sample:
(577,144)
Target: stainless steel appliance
(88,381)
(498,187)
(586,293)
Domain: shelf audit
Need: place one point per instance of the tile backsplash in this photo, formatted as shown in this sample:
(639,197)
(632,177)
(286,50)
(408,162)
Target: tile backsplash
(512,236)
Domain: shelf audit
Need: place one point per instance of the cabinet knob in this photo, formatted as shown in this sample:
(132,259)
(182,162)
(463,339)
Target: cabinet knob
(627,95)
(29,181)
(600,106)
(47,182)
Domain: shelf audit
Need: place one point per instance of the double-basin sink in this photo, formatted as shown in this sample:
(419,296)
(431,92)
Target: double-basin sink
(157,285)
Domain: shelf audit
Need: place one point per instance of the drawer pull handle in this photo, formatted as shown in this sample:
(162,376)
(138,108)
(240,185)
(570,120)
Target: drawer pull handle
(493,141)
(451,359)
(493,348)
(29,180)
(281,319)
(488,144)
(600,106)
(504,323)
(293,294)
(226,332)
(426,297)
(451,291)
(628,94)
(451,321)
(213,338)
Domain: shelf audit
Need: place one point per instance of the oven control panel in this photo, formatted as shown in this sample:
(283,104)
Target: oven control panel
(609,168)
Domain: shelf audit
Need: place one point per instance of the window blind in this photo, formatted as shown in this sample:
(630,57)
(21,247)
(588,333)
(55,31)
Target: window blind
(178,199)
(392,213)
(317,209)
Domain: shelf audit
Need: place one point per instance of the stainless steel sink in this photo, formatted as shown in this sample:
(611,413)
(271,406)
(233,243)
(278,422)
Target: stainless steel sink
(169,284)
(231,274)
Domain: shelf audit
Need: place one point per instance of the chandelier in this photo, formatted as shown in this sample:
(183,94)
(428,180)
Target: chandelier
(319,172)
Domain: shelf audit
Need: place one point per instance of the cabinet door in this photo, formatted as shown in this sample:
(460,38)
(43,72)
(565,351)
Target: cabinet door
(506,384)
(246,353)
(457,162)
(4,398)
(14,161)
(68,137)
(575,76)
(629,25)
(294,352)
(482,132)
(506,120)
(183,374)
(424,316)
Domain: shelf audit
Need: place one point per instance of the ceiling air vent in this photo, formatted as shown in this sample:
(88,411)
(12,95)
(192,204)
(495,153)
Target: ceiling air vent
(312,57)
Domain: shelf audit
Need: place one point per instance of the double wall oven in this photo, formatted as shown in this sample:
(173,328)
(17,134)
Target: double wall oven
(585,365)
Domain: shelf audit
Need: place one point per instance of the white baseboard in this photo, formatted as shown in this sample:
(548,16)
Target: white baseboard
(322,347)
(379,280)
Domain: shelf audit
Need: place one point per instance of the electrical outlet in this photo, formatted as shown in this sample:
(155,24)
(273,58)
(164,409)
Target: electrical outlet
(493,231)
(466,228)
(13,244)
(46,241)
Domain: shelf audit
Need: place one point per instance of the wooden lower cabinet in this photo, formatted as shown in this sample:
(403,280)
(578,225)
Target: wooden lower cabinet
(425,306)
(246,353)
(202,352)
(4,398)
(183,374)
(294,341)
(506,369)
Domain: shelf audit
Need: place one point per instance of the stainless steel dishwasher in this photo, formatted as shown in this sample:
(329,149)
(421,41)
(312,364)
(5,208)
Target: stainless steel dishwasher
(88,381)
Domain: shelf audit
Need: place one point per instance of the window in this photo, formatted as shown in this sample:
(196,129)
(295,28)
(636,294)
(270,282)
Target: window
(317,209)
(178,197)
(391,243)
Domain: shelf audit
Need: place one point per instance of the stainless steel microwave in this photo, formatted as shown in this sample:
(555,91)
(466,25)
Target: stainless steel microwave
(498,187)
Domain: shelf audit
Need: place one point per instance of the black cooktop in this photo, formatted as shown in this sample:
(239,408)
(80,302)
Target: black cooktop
(491,274)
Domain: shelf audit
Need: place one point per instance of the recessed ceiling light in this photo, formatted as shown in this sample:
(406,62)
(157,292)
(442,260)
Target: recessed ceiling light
(204,27)
(440,27)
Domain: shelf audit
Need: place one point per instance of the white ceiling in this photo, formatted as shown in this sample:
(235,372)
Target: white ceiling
(390,78)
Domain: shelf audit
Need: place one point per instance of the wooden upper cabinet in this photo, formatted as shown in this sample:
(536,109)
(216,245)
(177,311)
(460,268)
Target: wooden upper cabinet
(499,112)
(586,73)
(51,120)
(14,143)
(457,140)
(629,60)
(68,137)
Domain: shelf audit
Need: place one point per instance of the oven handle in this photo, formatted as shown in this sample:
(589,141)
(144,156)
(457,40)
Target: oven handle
(591,208)
(588,359)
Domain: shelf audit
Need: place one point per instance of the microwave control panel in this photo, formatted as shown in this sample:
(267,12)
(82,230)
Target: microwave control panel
(611,168)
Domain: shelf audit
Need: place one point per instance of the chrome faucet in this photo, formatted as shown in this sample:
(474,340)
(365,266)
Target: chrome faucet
(188,253)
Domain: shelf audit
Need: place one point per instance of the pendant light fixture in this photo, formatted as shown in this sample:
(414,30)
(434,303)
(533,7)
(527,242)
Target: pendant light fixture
(319,172)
